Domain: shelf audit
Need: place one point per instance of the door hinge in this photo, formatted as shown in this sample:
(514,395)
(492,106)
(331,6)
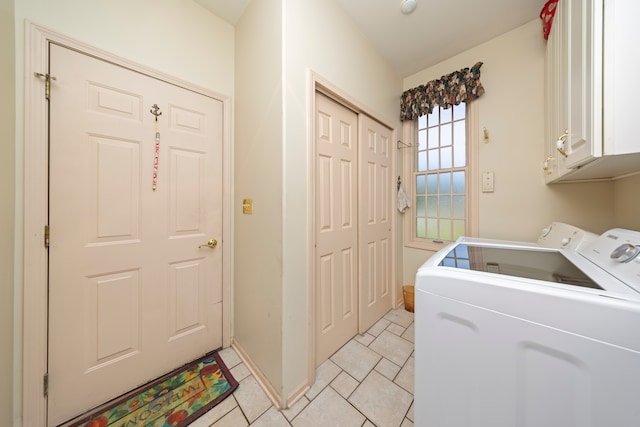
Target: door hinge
(47,83)
(46,236)
(45,384)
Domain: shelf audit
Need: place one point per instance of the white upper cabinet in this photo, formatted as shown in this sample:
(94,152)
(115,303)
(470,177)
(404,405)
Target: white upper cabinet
(590,89)
(621,83)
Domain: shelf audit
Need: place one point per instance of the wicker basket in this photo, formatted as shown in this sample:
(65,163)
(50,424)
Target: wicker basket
(408,292)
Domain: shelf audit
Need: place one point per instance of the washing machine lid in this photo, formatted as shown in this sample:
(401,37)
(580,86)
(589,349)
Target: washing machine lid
(518,261)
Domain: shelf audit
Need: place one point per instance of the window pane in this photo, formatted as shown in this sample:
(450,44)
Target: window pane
(458,228)
(433,117)
(458,182)
(432,206)
(432,183)
(420,206)
(445,115)
(445,135)
(445,206)
(445,229)
(420,184)
(434,141)
(434,162)
(432,228)
(458,206)
(422,139)
(445,183)
(422,122)
(441,194)
(422,161)
(460,145)
(445,157)
(459,111)
(421,228)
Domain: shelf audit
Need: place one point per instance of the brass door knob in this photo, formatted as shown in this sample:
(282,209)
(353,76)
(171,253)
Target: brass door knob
(210,244)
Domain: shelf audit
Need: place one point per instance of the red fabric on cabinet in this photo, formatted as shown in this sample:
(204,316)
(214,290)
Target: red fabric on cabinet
(546,14)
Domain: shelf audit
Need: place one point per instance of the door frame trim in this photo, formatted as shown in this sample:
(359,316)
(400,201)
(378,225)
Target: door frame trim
(36,182)
(318,83)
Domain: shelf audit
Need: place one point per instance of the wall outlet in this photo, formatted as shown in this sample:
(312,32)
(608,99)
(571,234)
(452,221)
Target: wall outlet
(487,182)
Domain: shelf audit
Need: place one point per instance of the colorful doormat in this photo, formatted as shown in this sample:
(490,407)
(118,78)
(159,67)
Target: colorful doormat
(176,399)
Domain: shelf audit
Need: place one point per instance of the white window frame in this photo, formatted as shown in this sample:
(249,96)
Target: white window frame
(410,137)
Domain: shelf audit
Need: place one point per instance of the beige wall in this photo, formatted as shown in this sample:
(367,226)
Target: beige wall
(7,207)
(176,37)
(627,203)
(512,110)
(258,175)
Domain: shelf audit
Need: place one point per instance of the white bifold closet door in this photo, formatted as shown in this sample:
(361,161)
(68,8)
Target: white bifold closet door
(353,207)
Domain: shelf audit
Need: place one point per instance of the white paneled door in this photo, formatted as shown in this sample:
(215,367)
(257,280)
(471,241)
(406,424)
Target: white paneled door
(134,290)
(375,211)
(336,223)
(353,209)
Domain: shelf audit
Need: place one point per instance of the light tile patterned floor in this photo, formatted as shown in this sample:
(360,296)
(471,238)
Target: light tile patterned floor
(368,383)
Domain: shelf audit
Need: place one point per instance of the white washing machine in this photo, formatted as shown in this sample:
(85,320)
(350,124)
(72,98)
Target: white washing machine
(511,334)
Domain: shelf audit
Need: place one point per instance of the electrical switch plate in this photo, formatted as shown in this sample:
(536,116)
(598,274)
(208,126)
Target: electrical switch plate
(247,206)
(487,182)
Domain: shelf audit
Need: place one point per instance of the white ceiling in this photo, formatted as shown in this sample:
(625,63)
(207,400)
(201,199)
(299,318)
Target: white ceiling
(414,42)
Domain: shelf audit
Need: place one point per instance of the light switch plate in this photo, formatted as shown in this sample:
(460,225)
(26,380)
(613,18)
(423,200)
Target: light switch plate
(487,182)
(247,206)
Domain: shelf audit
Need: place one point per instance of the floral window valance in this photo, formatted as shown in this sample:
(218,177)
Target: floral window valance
(452,89)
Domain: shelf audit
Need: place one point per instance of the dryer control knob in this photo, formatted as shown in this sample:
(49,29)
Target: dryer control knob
(625,252)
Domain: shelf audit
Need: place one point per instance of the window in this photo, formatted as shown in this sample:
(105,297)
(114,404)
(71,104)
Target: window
(440,172)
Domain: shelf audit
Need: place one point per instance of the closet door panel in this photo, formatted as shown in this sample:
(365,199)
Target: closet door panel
(336,280)
(374,226)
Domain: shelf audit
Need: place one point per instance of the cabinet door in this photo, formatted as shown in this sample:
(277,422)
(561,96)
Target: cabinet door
(556,93)
(583,26)
(551,106)
(621,84)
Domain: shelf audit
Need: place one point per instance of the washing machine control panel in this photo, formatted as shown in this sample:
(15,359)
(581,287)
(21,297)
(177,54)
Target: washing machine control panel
(625,252)
(616,251)
(564,236)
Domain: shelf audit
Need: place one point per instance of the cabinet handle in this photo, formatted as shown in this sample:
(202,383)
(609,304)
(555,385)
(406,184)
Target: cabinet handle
(560,143)
(546,166)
